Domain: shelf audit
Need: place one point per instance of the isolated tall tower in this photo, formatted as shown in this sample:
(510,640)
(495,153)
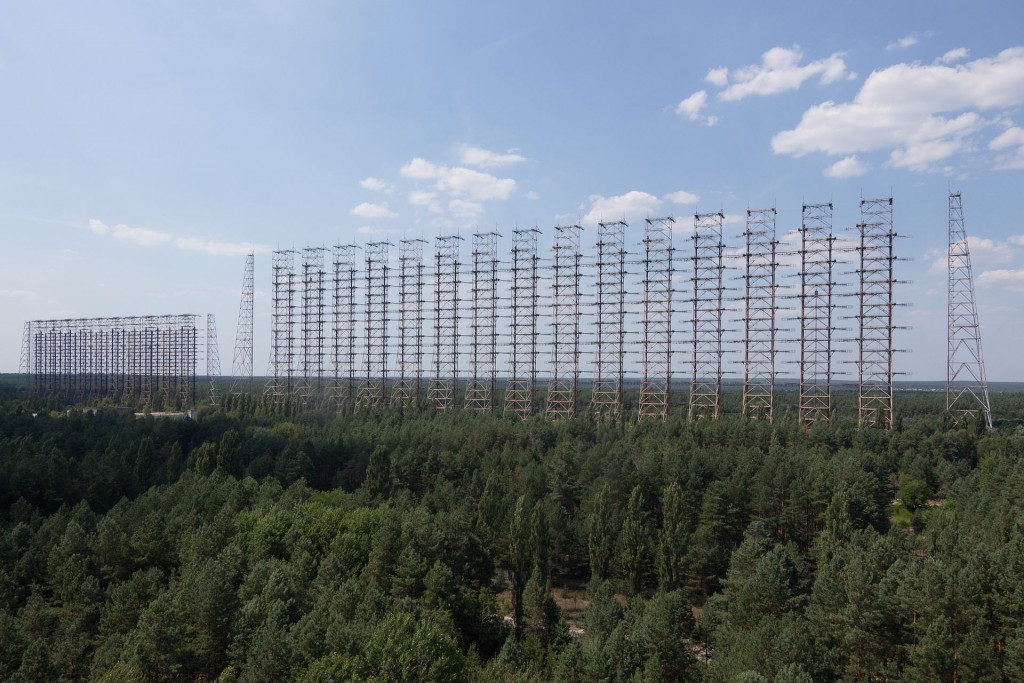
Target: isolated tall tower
(410,322)
(656,383)
(521,386)
(241,365)
(212,358)
(482,388)
(610,321)
(706,362)
(761,265)
(565,323)
(441,392)
(966,384)
(816,306)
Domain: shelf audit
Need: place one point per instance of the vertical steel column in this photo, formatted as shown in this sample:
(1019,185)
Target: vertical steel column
(410,322)
(656,382)
(310,385)
(565,323)
(443,386)
(816,306)
(761,265)
(521,385)
(610,323)
(482,390)
(343,385)
(373,393)
(706,365)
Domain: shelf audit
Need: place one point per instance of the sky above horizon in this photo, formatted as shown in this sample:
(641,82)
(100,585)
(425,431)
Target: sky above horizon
(146,147)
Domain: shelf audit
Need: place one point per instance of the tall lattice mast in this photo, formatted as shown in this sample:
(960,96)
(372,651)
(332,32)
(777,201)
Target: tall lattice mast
(875,314)
(565,323)
(482,389)
(212,359)
(373,392)
(761,264)
(521,386)
(816,306)
(610,322)
(342,390)
(966,384)
(241,365)
(706,364)
(410,322)
(310,383)
(25,367)
(282,347)
(656,383)
(441,392)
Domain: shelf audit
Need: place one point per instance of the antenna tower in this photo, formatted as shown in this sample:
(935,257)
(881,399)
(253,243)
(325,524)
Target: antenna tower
(565,323)
(313,276)
(410,322)
(212,358)
(657,325)
(759,316)
(373,393)
(241,365)
(610,351)
(482,389)
(441,392)
(706,365)
(966,384)
(816,290)
(282,349)
(521,385)
(343,384)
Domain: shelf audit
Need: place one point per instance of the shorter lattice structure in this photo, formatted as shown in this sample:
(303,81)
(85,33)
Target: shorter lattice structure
(606,399)
(310,383)
(481,392)
(212,359)
(706,359)
(563,386)
(656,382)
(410,323)
(282,325)
(242,362)
(817,287)
(342,388)
(443,385)
(759,317)
(521,385)
(373,392)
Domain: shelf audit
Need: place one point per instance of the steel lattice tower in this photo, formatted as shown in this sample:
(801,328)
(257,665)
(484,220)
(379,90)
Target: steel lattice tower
(282,347)
(656,383)
(816,306)
(441,392)
(706,364)
(966,384)
(875,314)
(565,323)
(25,365)
(241,365)
(610,323)
(410,322)
(343,384)
(761,264)
(212,358)
(373,393)
(481,392)
(310,384)
(521,386)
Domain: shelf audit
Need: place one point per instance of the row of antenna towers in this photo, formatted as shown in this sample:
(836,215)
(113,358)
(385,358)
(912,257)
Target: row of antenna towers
(341,334)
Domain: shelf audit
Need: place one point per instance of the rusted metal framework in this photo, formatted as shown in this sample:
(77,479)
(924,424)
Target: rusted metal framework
(242,365)
(443,385)
(373,392)
(481,392)
(817,286)
(706,359)
(610,321)
(967,397)
(342,389)
(563,386)
(212,359)
(759,316)
(149,361)
(656,382)
(282,326)
(521,385)
(410,323)
(875,314)
(309,387)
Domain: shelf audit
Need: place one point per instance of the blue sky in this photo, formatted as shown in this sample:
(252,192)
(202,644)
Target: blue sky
(145,147)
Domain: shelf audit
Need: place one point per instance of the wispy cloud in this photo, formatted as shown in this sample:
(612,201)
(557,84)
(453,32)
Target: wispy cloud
(630,206)
(779,71)
(148,237)
(903,43)
(370,210)
(682,197)
(482,158)
(692,106)
(847,167)
(376,184)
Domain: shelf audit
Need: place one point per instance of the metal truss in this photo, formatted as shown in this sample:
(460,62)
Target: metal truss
(309,388)
(441,392)
(563,386)
(342,389)
(966,384)
(521,385)
(481,392)
(816,308)
(656,382)
(212,359)
(610,323)
(242,365)
(760,308)
(282,322)
(706,363)
(410,323)
(373,392)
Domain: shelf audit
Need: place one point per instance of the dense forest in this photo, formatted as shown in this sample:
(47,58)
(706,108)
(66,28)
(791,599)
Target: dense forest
(257,545)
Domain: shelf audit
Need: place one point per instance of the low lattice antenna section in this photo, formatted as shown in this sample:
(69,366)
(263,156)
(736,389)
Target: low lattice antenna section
(761,266)
(816,307)
(441,392)
(242,365)
(656,382)
(342,390)
(966,385)
(25,366)
(610,323)
(482,389)
(410,323)
(565,324)
(521,386)
(706,364)
(282,345)
(212,359)
(373,392)
(309,388)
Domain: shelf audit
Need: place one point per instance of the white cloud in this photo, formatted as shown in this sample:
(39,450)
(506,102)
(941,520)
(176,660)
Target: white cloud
(954,55)
(780,71)
(905,108)
(474,156)
(1016,239)
(682,197)
(1011,143)
(1011,137)
(426,199)
(903,43)
(692,106)
(146,237)
(376,184)
(629,206)
(847,167)
(460,182)
(369,210)
(719,76)
(465,210)
(1012,279)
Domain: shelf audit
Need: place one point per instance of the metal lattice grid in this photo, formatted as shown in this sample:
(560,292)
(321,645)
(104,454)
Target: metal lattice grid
(759,318)
(816,308)
(481,391)
(563,386)
(410,323)
(282,326)
(242,362)
(521,385)
(706,359)
(342,390)
(212,359)
(610,322)
(373,392)
(309,387)
(656,381)
(875,314)
(442,388)
(966,383)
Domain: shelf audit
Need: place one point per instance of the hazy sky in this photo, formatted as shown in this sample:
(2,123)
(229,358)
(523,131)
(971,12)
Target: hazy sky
(145,147)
